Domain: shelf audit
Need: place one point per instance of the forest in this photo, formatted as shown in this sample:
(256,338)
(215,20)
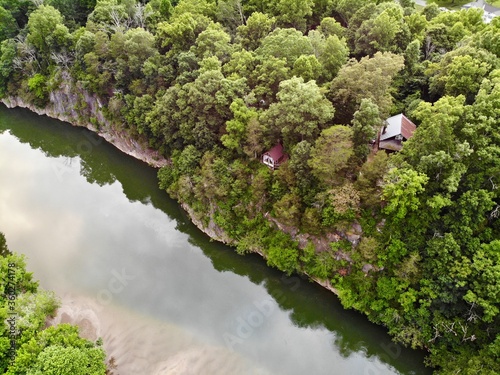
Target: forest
(411,238)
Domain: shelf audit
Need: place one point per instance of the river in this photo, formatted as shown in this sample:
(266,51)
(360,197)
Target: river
(132,269)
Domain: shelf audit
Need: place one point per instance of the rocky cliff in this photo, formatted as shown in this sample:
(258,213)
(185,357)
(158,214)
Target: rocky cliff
(73,104)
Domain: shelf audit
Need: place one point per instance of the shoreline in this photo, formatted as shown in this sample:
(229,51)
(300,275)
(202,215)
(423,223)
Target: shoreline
(120,139)
(133,148)
(147,346)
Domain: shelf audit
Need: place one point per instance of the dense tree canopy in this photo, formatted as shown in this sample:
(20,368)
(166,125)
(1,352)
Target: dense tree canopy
(410,238)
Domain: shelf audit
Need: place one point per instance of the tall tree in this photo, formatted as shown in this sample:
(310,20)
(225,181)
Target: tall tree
(300,113)
(293,13)
(8,26)
(46,31)
(371,78)
(331,154)
(380,32)
(237,127)
(460,72)
(288,44)
(365,124)
(257,27)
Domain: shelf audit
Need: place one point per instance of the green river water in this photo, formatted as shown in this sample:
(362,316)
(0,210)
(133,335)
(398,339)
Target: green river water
(95,228)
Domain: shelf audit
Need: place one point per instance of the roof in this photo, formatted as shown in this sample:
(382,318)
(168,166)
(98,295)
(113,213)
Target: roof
(482,5)
(398,124)
(276,152)
(490,8)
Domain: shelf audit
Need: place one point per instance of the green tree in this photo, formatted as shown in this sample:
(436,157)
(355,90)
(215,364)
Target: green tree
(46,31)
(300,113)
(180,33)
(8,26)
(370,180)
(401,192)
(130,51)
(266,79)
(329,27)
(287,210)
(283,253)
(207,8)
(485,290)
(330,51)
(460,72)
(369,78)
(365,124)
(257,27)
(334,56)
(237,127)
(439,123)
(59,350)
(487,38)
(306,183)
(77,11)
(307,67)
(7,55)
(241,65)
(213,41)
(19,9)
(230,13)
(348,8)
(331,153)
(379,32)
(288,44)
(293,13)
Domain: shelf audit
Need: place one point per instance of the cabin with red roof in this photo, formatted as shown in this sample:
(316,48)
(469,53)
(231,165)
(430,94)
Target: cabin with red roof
(274,157)
(396,130)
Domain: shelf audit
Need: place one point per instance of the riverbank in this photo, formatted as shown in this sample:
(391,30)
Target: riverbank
(136,149)
(58,108)
(85,233)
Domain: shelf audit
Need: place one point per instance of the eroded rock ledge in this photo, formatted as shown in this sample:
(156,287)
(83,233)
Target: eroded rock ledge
(75,105)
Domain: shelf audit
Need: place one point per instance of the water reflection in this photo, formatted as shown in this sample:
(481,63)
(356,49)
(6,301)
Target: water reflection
(120,221)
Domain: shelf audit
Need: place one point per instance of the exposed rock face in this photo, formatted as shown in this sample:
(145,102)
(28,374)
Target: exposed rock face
(212,230)
(73,104)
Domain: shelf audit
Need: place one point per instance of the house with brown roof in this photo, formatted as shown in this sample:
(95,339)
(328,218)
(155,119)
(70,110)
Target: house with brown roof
(395,131)
(274,157)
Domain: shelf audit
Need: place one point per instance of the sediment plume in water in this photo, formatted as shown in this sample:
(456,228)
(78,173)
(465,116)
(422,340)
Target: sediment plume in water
(137,344)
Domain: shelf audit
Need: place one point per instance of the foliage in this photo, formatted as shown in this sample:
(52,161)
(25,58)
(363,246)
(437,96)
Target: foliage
(214,84)
(369,78)
(331,153)
(300,113)
(38,85)
(38,349)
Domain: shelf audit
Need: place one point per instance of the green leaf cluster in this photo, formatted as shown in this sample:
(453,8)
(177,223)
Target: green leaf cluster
(410,239)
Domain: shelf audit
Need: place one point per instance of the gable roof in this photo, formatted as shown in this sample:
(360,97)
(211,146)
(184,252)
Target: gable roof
(398,124)
(276,152)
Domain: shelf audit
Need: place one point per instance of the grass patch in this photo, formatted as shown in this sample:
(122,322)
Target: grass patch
(495,3)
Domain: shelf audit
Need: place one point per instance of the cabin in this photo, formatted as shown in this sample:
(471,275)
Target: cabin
(274,157)
(395,131)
